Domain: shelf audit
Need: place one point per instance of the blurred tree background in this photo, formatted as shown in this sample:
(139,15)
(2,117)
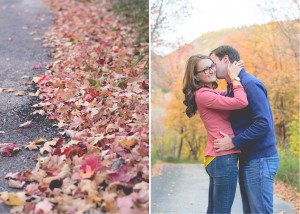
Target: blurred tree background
(137,12)
(270,52)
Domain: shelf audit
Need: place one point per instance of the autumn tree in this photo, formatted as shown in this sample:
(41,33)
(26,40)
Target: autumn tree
(190,131)
(166,69)
(270,57)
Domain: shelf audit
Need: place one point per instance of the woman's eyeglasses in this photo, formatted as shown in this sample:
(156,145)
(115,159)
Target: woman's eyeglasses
(207,69)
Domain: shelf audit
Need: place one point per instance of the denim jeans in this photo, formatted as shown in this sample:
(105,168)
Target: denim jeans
(223,173)
(256,178)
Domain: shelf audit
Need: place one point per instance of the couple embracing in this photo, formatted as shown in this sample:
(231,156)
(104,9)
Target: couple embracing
(240,128)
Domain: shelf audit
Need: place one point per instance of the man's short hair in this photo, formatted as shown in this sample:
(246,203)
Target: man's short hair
(223,50)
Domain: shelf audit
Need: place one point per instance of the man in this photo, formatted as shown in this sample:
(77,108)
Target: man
(254,136)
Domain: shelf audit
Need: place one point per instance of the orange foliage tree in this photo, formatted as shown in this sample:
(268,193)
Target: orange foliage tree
(272,55)
(191,132)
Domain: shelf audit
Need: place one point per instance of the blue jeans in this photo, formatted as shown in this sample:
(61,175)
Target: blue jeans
(223,173)
(256,178)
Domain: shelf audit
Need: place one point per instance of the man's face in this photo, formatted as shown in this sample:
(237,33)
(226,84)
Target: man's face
(221,66)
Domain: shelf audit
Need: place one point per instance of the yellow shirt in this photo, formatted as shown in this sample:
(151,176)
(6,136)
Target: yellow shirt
(208,159)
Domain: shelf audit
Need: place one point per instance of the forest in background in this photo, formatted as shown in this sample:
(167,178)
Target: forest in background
(270,52)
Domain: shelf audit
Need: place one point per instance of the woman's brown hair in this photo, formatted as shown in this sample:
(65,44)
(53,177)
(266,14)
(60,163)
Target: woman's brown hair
(190,84)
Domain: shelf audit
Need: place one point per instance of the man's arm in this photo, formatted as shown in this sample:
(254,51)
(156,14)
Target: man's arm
(258,103)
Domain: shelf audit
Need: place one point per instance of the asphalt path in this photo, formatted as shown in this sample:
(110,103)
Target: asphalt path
(22,24)
(183,188)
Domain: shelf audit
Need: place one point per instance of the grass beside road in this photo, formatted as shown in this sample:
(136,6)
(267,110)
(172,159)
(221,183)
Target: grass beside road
(289,169)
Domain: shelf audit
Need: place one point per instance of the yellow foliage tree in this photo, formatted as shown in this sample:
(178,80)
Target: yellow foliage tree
(191,131)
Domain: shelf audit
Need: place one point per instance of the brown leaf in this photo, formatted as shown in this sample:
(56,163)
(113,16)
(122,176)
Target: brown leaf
(8,90)
(20,93)
(128,142)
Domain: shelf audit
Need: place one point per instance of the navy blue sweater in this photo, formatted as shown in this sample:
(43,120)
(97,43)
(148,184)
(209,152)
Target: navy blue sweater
(253,126)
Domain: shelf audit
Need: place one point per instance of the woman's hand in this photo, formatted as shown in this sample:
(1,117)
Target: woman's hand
(234,69)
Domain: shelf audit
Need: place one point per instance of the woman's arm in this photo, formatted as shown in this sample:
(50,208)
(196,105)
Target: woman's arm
(222,92)
(210,99)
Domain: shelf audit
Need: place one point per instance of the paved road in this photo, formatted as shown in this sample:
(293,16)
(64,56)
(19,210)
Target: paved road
(183,188)
(19,52)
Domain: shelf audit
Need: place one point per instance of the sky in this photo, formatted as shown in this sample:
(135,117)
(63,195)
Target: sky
(213,15)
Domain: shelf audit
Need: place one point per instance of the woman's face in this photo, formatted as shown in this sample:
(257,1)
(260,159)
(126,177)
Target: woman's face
(207,70)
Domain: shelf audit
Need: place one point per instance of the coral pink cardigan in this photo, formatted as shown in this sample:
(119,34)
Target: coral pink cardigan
(214,107)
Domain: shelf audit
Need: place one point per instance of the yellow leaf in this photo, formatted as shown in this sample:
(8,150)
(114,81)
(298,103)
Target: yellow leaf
(13,198)
(88,172)
(40,140)
(36,79)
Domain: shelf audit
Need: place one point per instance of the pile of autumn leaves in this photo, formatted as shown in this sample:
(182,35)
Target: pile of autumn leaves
(98,95)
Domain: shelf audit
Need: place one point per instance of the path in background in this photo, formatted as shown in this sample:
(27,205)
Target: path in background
(183,188)
(22,24)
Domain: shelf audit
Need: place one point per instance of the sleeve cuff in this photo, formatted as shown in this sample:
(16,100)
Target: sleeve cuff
(237,86)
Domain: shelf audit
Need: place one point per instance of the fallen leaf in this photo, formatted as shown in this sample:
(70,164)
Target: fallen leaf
(111,128)
(12,175)
(26,124)
(87,173)
(9,90)
(48,90)
(46,148)
(41,112)
(31,146)
(36,79)
(89,167)
(127,204)
(20,93)
(36,94)
(128,142)
(40,140)
(12,198)
(7,149)
(16,184)
(43,207)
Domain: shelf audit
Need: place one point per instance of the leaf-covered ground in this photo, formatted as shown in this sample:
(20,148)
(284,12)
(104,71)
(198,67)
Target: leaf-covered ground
(288,193)
(96,91)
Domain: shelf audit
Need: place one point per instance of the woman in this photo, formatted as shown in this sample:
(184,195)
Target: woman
(213,106)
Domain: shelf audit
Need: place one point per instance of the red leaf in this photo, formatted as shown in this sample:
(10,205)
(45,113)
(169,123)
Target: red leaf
(144,85)
(56,151)
(7,149)
(92,162)
(37,67)
(48,90)
(101,61)
(88,97)
(123,174)
(43,80)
